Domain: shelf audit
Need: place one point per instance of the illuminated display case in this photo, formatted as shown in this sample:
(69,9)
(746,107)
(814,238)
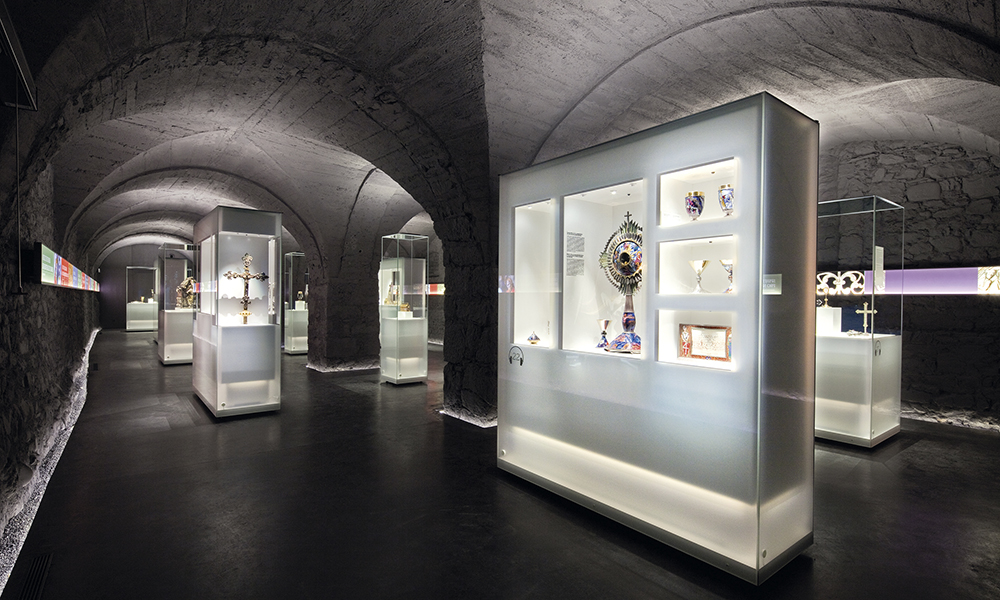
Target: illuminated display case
(237,333)
(402,284)
(140,296)
(296,290)
(176,304)
(655,328)
(859,319)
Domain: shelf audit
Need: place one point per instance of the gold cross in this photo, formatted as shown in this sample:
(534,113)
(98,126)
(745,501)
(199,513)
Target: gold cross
(867,312)
(246,277)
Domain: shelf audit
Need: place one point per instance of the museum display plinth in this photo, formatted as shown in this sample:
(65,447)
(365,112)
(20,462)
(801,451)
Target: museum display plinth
(664,376)
(859,350)
(237,334)
(140,298)
(402,284)
(175,331)
(296,292)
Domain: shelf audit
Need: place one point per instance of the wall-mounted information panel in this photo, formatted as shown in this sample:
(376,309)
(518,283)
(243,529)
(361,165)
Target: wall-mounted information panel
(237,333)
(656,317)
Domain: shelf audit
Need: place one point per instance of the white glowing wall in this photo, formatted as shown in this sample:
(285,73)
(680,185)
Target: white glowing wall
(711,456)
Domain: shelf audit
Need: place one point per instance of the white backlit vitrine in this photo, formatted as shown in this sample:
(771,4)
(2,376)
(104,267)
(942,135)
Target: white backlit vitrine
(296,291)
(682,408)
(402,284)
(859,321)
(176,304)
(237,366)
(140,298)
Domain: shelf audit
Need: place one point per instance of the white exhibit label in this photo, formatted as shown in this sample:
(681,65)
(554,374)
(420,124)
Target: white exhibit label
(879,269)
(772,285)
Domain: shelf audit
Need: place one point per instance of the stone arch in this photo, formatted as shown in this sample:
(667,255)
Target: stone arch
(816,55)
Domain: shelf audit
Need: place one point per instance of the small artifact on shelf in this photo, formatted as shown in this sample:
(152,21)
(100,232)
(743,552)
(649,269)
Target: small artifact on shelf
(726,199)
(404,307)
(185,293)
(299,297)
(865,314)
(246,277)
(694,203)
(699,267)
(706,342)
(392,296)
(533,338)
(603,323)
(727,264)
(622,263)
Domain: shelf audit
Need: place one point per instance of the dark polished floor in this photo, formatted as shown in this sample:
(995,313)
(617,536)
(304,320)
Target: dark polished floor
(361,490)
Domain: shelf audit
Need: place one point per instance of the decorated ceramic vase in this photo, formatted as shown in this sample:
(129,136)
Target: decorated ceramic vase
(603,323)
(628,341)
(726,199)
(694,203)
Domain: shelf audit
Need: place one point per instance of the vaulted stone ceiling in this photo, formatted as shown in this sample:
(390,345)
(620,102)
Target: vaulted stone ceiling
(564,76)
(264,94)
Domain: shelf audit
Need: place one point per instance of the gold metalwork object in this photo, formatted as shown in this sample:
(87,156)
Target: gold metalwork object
(246,277)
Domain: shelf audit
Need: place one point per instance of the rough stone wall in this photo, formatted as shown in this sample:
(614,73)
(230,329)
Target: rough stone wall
(43,335)
(951,344)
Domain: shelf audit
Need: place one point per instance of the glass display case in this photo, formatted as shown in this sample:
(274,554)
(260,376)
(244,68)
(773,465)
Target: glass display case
(859,321)
(237,332)
(140,298)
(402,284)
(655,328)
(176,303)
(296,294)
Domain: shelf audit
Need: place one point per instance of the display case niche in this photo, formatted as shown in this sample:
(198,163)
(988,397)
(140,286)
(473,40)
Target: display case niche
(237,366)
(176,301)
(532,279)
(296,297)
(140,295)
(591,220)
(858,321)
(402,284)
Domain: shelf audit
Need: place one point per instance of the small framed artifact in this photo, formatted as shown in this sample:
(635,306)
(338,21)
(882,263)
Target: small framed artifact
(706,342)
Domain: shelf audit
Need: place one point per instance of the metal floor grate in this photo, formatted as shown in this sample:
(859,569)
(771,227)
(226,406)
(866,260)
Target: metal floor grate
(34,583)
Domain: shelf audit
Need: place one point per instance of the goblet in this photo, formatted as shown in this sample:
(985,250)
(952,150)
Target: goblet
(727,264)
(699,267)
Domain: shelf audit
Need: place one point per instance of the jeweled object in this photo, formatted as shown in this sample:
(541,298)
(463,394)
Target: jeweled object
(699,267)
(628,340)
(534,339)
(622,263)
(726,196)
(694,204)
(727,264)
(246,277)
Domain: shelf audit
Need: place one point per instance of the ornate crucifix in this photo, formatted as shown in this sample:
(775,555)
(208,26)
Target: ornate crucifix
(867,312)
(246,277)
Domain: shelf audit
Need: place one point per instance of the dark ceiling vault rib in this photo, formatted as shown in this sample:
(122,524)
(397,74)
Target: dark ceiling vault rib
(350,215)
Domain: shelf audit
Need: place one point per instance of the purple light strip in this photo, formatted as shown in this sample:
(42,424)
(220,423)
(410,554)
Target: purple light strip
(928,282)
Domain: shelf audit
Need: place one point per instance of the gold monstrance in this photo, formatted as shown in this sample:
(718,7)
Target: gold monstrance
(246,277)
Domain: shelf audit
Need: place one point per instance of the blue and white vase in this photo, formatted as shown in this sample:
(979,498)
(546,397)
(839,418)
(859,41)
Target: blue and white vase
(694,203)
(726,196)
